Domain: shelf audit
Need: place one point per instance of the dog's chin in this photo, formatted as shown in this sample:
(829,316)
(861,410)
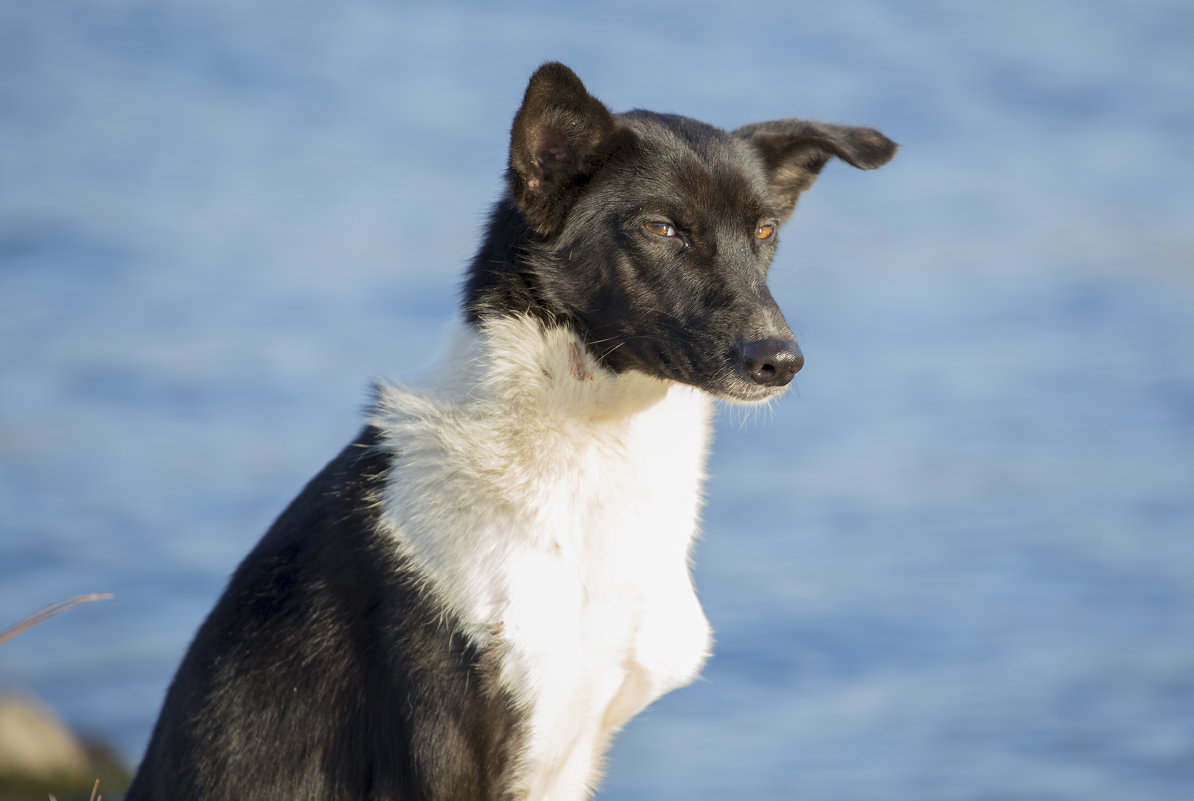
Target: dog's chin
(743,393)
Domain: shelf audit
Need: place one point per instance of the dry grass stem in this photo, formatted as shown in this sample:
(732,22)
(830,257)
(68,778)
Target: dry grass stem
(47,612)
(95,796)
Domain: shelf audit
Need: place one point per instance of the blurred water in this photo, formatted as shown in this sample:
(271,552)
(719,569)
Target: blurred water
(957,563)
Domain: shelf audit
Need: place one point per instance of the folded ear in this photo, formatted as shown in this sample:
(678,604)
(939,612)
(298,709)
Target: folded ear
(557,141)
(794,151)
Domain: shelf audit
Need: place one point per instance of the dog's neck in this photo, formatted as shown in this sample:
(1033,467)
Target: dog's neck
(516,392)
(502,276)
(526,436)
(545,374)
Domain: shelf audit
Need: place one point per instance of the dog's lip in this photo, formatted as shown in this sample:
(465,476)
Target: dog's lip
(742,392)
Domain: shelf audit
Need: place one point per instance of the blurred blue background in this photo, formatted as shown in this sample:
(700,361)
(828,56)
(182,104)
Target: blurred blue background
(957,563)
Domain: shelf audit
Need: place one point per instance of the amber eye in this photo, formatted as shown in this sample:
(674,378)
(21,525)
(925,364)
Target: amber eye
(660,228)
(765,231)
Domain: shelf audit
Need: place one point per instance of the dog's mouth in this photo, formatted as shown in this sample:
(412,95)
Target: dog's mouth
(746,393)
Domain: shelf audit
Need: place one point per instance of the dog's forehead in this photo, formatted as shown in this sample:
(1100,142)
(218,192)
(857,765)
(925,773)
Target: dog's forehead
(695,152)
(674,132)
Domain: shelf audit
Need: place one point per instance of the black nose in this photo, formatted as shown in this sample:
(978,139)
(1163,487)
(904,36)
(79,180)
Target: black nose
(771,362)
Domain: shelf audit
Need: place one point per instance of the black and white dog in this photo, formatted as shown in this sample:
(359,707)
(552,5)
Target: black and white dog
(475,595)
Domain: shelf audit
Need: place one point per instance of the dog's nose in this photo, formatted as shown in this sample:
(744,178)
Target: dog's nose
(771,362)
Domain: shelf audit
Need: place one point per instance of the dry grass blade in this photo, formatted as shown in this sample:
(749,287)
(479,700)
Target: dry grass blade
(94,793)
(47,612)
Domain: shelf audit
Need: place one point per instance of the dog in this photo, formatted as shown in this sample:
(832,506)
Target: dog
(477,593)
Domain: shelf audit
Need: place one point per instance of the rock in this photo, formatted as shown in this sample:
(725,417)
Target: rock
(40,758)
(35,745)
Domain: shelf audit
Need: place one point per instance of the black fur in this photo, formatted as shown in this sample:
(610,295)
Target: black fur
(568,243)
(328,670)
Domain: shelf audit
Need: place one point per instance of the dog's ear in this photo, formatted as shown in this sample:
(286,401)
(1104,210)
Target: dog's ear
(794,151)
(558,140)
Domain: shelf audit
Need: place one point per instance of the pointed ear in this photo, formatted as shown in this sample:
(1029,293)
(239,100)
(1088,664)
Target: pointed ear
(794,151)
(558,140)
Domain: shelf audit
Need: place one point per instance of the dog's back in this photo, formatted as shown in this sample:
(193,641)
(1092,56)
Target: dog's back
(472,598)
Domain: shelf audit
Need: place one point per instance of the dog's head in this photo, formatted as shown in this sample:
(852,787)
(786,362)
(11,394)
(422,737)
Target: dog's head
(651,234)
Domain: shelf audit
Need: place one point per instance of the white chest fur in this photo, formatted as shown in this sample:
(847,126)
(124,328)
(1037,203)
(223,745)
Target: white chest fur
(553,505)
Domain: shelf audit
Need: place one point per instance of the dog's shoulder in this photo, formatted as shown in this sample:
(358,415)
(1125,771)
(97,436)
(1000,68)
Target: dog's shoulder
(329,614)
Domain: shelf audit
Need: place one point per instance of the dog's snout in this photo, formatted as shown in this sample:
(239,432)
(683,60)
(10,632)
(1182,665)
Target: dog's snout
(771,362)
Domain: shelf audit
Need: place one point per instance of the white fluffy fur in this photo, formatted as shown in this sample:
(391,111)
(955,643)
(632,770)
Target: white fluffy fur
(552,505)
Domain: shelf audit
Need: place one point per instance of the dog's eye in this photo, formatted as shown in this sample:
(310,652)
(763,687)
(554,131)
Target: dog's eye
(765,231)
(660,228)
